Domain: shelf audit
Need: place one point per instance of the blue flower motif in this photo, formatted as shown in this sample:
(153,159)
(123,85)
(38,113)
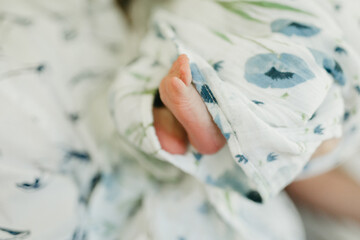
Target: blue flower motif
(330,65)
(196,74)
(254,196)
(277,71)
(319,130)
(155,63)
(14,234)
(335,71)
(353,129)
(85,197)
(289,28)
(346,116)
(234,179)
(40,68)
(357,88)
(172,28)
(272,157)
(35,185)
(258,102)
(82,156)
(230,179)
(207,94)
(306,167)
(197,156)
(158,32)
(313,116)
(204,208)
(340,50)
(241,158)
(74,117)
(199,81)
(79,233)
(218,65)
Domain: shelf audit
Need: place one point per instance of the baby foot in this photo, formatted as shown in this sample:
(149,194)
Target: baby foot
(184,102)
(171,134)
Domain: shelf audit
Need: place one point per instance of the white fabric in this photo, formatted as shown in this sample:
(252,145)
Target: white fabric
(79,157)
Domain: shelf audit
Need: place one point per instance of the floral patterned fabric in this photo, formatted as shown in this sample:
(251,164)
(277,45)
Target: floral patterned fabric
(79,157)
(276,93)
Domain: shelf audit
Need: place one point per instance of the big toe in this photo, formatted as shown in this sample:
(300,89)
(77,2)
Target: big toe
(185,103)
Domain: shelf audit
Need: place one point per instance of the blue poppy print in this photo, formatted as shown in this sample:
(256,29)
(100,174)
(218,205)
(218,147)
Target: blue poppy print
(330,65)
(218,66)
(197,156)
(241,158)
(353,129)
(207,94)
(158,32)
(74,117)
(277,71)
(258,102)
(13,234)
(201,87)
(197,76)
(306,167)
(319,130)
(82,156)
(233,179)
(28,186)
(335,71)
(337,7)
(172,28)
(70,34)
(85,197)
(254,196)
(40,68)
(346,116)
(290,28)
(271,157)
(204,208)
(340,50)
(357,88)
(155,63)
(313,116)
(79,234)
(230,179)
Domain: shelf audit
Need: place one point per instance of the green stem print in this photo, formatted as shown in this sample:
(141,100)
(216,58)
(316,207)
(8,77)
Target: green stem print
(138,130)
(226,38)
(238,7)
(222,36)
(235,8)
(141,77)
(151,91)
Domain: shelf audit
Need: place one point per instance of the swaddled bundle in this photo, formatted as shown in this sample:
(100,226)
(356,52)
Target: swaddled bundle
(277,85)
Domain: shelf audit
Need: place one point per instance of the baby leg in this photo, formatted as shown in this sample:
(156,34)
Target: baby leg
(334,192)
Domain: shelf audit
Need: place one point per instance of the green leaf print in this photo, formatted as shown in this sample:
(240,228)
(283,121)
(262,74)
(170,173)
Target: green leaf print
(150,91)
(235,8)
(138,131)
(141,77)
(223,36)
(285,95)
(274,5)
